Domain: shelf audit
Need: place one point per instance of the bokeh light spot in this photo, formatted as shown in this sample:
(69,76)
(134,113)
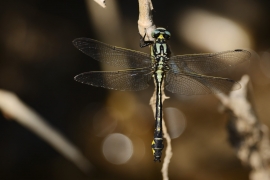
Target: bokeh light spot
(210,32)
(117,148)
(175,121)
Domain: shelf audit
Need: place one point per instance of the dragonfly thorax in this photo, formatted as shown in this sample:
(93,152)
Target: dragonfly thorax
(160,53)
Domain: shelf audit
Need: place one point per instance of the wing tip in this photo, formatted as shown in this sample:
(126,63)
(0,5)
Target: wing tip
(243,50)
(77,78)
(239,50)
(76,41)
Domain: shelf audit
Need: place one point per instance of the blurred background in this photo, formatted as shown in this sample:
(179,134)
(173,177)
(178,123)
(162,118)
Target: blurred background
(114,130)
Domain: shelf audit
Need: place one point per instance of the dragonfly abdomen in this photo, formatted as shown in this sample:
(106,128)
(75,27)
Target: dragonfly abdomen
(157,144)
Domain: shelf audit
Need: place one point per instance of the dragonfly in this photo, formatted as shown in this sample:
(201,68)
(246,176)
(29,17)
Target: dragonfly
(182,74)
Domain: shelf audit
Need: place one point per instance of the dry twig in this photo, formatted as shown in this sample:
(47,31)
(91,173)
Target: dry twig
(145,22)
(101,3)
(247,135)
(13,108)
(146,26)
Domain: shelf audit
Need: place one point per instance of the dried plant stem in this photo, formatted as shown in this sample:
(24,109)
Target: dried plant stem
(168,154)
(146,26)
(145,22)
(247,135)
(13,108)
(101,3)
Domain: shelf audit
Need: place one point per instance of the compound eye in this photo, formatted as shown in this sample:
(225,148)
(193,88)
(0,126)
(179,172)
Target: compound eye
(167,34)
(155,33)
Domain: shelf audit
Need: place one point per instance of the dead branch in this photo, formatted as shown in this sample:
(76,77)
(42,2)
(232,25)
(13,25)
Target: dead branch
(246,133)
(145,23)
(13,108)
(147,26)
(101,3)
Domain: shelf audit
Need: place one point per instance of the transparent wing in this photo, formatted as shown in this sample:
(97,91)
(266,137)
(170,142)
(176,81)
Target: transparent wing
(206,63)
(192,84)
(112,55)
(128,80)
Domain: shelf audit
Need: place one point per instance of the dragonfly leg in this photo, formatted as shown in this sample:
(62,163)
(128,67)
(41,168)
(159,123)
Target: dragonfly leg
(144,43)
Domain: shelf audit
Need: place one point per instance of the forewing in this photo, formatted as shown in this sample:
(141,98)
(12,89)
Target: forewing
(206,63)
(192,84)
(112,55)
(129,80)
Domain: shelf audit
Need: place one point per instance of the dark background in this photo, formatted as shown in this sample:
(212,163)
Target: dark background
(38,63)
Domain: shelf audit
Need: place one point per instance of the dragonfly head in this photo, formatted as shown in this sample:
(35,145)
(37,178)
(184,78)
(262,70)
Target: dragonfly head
(161,34)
